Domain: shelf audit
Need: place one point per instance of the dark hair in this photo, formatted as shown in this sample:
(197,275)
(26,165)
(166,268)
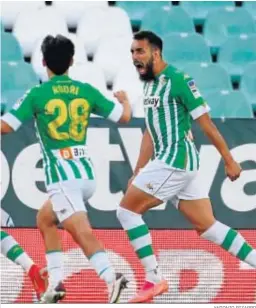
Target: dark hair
(151,37)
(57,52)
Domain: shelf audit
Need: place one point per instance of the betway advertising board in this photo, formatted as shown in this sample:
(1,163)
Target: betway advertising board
(114,150)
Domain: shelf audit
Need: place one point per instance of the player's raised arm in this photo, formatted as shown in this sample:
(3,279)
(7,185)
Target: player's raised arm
(199,109)
(127,111)
(20,112)
(116,112)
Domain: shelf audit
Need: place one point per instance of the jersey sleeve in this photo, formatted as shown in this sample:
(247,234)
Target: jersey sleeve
(21,111)
(104,107)
(191,97)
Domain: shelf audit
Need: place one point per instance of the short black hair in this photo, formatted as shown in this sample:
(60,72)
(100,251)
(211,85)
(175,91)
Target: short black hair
(151,37)
(57,52)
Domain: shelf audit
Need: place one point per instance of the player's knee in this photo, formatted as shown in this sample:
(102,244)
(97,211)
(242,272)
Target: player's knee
(204,226)
(125,216)
(43,220)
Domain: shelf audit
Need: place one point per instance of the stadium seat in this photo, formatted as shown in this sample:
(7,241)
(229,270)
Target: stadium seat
(127,79)
(251,7)
(10,48)
(11,9)
(225,22)
(137,9)
(209,77)
(236,53)
(36,59)
(198,10)
(167,20)
(18,76)
(113,21)
(89,73)
(180,49)
(229,104)
(112,54)
(74,12)
(248,84)
(43,22)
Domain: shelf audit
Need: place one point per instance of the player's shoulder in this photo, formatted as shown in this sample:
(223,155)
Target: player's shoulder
(177,74)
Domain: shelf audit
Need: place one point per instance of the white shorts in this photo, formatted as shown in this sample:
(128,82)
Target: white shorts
(169,184)
(69,197)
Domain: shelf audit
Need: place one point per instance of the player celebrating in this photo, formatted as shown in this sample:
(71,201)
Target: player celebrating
(14,252)
(61,108)
(170,99)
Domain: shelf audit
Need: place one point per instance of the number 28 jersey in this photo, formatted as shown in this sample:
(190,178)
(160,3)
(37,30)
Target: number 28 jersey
(61,108)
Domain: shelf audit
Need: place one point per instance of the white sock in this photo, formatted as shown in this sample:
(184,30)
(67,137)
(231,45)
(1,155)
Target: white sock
(101,264)
(141,241)
(25,261)
(14,252)
(232,241)
(54,267)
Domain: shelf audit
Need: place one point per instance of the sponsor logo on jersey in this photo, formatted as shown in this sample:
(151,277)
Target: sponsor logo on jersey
(151,101)
(193,89)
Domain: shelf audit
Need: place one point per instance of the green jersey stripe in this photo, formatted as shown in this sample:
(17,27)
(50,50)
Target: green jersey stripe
(188,165)
(46,160)
(150,119)
(157,119)
(162,119)
(75,169)
(54,172)
(167,119)
(61,171)
(173,144)
(87,168)
(176,129)
(190,156)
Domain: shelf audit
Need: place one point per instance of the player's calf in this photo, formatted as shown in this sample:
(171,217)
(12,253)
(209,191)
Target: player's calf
(232,241)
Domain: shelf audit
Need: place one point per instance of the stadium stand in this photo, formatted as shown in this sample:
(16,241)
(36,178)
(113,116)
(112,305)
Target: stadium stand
(236,53)
(210,77)
(74,12)
(248,84)
(36,20)
(251,7)
(167,20)
(225,25)
(11,9)
(18,75)
(183,48)
(115,20)
(226,22)
(137,9)
(10,48)
(18,78)
(199,10)
(229,104)
(112,53)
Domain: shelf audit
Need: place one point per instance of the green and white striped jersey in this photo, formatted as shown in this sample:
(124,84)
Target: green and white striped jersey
(170,100)
(61,108)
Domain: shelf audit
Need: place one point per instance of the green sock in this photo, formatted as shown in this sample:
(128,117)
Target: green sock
(14,252)
(232,241)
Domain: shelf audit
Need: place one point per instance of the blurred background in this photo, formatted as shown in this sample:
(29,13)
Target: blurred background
(213,41)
